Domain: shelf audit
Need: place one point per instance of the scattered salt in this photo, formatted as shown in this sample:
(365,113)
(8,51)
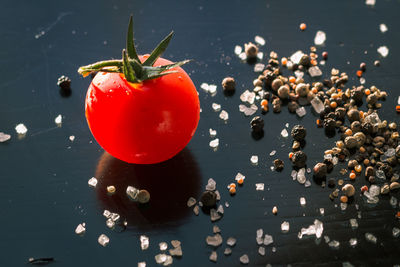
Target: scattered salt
(295,58)
(370,2)
(383,28)
(315,229)
(383,51)
(214,143)
(212,88)
(4,137)
(224,115)
(214,241)
(71,138)
(273,152)
(92,182)
(132,192)
(231,241)
(141,264)
(285,227)
(261,251)
(334,244)
(239,176)
(216,107)
(244,259)
(103,240)
(259,67)
(248,111)
(21,129)
(302,201)
(248,96)
(354,223)
(163,246)
(260,55)
(370,237)
(58,120)
(259,40)
(284,133)
(322,211)
(320,38)
(254,159)
(211,184)
(301,111)
(80,229)
(353,242)
(212,132)
(395,232)
(238,50)
(260,187)
(268,239)
(144,242)
(317,105)
(213,256)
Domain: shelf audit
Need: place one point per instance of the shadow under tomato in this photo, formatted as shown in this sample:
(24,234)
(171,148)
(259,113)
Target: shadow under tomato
(170,184)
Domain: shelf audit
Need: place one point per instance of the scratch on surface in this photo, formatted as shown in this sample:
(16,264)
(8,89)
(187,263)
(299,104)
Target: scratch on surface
(45,131)
(51,26)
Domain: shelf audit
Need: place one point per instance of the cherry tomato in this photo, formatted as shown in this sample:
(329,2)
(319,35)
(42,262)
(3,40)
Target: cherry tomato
(146,122)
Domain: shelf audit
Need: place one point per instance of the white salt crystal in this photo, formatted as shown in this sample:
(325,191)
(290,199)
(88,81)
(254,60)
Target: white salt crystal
(322,211)
(317,105)
(295,58)
(80,229)
(211,184)
(302,201)
(383,51)
(214,143)
(284,133)
(21,129)
(260,187)
(224,115)
(238,50)
(261,251)
(334,244)
(144,242)
(58,120)
(383,28)
(307,183)
(259,40)
(92,182)
(248,96)
(212,132)
(254,159)
(301,178)
(244,259)
(268,240)
(301,111)
(259,67)
(231,241)
(273,152)
(260,55)
(395,232)
(320,38)
(248,111)
(285,227)
(242,56)
(141,264)
(239,176)
(132,192)
(371,238)
(4,137)
(212,88)
(103,240)
(370,2)
(398,100)
(72,138)
(213,256)
(216,107)
(204,86)
(163,246)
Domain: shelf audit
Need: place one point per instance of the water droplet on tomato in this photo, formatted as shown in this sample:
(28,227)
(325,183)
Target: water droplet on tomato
(180,78)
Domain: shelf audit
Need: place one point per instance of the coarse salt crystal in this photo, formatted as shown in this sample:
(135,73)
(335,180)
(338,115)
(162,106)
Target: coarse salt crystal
(212,132)
(224,115)
(383,28)
(58,120)
(21,129)
(4,137)
(320,38)
(216,107)
(92,182)
(214,143)
(254,159)
(383,51)
(259,67)
(260,187)
(72,138)
(103,240)
(80,229)
(284,133)
(259,40)
(144,242)
(370,2)
(238,50)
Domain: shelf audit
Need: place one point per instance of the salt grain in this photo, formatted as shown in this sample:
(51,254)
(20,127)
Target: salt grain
(21,129)
(216,107)
(272,153)
(383,28)
(261,251)
(259,40)
(214,143)
(58,120)
(302,201)
(80,229)
(353,242)
(285,227)
(259,67)
(163,246)
(301,112)
(144,242)
(370,2)
(284,133)
(334,244)
(260,187)
(92,182)
(238,50)
(224,115)
(4,137)
(212,132)
(244,259)
(370,237)
(383,51)
(254,159)
(71,138)
(231,241)
(103,240)
(395,232)
(320,38)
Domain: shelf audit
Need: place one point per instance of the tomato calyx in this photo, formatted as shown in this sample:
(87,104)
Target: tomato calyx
(131,66)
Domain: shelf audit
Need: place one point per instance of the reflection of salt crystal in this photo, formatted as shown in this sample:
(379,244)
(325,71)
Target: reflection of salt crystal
(214,143)
(260,187)
(383,51)
(238,50)
(261,251)
(224,115)
(254,159)
(259,40)
(216,107)
(103,240)
(21,129)
(301,111)
(383,28)
(284,133)
(144,242)
(320,38)
(285,227)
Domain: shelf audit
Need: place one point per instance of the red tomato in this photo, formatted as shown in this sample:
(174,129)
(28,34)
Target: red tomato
(145,122)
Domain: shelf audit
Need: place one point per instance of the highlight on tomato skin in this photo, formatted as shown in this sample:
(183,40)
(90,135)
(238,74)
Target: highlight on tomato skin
(141,109)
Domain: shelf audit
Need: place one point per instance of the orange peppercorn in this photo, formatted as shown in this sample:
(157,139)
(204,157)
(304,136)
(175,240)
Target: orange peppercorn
(265,108)
(398,214)
(319,123)
(398,109)
(314,90)
(303,26)
(364,188)
(232,185)
(232,190)
(313,62)
(358,168)
(367,92)
(344,199)
(352,175)
(284,61)
(264,102)
(240,181)
(291,155)
(333,104)
(348,132)
(359,73)
(292,79)
(361,114)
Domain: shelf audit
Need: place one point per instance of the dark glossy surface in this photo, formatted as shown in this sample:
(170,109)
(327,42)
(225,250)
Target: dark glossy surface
(43,178)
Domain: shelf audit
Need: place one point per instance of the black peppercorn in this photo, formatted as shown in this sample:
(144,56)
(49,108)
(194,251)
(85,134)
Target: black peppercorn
(298,132)
(257,124)
(64,82)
